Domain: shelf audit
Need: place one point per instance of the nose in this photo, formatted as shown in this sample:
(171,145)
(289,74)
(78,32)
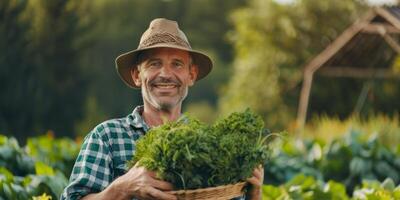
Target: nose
(166,71)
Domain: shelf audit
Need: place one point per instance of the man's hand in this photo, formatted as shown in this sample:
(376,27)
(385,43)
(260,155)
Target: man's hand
(137,183)
(256,182)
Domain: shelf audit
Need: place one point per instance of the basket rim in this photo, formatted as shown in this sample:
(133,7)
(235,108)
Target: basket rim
(200,190)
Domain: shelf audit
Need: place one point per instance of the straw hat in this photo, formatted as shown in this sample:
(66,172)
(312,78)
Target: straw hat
(161,33)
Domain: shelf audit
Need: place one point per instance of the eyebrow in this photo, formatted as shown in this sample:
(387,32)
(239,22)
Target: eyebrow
(154,59)
(178,60)
(159,59)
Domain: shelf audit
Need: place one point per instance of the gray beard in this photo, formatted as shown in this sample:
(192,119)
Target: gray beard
(165,107)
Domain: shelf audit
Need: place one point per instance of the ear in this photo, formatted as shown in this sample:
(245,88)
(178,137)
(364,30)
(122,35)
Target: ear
(135,76)
(194,72)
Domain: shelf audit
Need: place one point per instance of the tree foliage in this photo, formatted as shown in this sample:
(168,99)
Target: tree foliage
(272,42)
(57,66)
(43,86)
(12,47)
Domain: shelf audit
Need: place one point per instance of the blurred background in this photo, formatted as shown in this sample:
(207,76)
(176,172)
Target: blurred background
(58,77)
(58,72)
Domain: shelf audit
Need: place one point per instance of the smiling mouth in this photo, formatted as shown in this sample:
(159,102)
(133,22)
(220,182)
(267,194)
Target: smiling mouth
(165,85)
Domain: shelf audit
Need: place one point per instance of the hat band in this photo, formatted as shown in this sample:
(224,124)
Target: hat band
(165,38)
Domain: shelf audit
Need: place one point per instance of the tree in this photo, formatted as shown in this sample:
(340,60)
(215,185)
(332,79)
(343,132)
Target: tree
(54,47)
(13,68)
(272,42)
(44,87)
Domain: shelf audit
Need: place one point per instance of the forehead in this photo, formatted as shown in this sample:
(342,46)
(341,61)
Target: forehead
(166,53)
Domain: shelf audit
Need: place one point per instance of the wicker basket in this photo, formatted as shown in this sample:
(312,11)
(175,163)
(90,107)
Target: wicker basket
(223,192)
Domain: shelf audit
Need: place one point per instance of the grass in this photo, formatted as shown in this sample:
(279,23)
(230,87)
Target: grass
(325,128)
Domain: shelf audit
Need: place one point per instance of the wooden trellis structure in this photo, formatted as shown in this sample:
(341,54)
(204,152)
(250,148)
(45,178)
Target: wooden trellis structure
(367,49)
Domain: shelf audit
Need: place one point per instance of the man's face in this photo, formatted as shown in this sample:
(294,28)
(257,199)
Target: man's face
(164,76)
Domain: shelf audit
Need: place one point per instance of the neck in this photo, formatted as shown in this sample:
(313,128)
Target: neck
(156,117)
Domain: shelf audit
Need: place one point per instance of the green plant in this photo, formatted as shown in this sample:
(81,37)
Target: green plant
(59,153)
(328,129)
(22,188)
(348,160)
(35,169)
(352,159)
(303,187)
(374,190)
(14,158)
(190,154)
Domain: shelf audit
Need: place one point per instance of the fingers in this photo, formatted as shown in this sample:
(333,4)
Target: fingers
(145,185)
(153,181)
(162,185)
(259,172)
(157,194)
(136,168)
(152,174)
(136,165)
(258,177)
(253,180)
(156,183)
(144,170)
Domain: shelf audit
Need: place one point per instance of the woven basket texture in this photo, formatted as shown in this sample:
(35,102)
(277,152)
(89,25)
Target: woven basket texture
(224,192)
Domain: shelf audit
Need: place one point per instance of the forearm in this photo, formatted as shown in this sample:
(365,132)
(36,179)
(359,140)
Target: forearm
(254,194)
(111,192)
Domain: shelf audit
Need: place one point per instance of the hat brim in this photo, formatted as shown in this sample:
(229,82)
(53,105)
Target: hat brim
(126,61)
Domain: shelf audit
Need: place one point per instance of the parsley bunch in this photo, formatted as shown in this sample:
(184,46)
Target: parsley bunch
(190,154)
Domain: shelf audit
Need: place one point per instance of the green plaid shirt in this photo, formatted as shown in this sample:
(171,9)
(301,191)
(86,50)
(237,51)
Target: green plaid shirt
(104,154)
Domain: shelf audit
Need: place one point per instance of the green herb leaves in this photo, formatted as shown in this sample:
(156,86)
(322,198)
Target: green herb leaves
(191,155)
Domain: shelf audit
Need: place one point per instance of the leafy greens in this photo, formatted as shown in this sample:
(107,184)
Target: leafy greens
(190,154)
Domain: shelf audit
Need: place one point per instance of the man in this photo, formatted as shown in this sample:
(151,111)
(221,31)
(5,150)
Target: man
(163,66)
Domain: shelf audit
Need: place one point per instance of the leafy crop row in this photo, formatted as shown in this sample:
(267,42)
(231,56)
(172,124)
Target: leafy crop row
(41,167)
(303,187)
(346,168)
(348,160)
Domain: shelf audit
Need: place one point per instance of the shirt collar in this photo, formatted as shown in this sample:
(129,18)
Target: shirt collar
(136,120)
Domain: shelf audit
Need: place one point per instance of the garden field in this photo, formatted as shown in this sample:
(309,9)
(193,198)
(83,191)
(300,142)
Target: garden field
(354,165)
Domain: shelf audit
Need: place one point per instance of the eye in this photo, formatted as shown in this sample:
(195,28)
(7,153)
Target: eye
(178,64)
(155,63)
